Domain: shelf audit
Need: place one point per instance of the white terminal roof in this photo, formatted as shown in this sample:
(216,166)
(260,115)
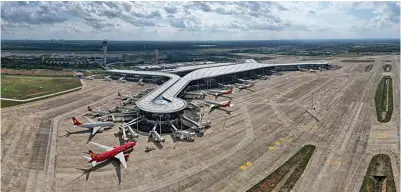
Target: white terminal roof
(164,99)
(194,67)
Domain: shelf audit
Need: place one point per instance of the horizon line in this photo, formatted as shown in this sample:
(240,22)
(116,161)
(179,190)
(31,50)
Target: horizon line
(197,40)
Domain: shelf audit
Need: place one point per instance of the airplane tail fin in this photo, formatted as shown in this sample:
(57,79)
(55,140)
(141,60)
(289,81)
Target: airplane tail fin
(89,108)
(76,122)
(92,154)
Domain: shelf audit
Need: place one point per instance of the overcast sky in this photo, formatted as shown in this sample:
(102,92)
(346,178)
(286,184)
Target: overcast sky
(199,20)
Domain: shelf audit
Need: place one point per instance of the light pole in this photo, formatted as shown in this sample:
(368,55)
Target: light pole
(312,102)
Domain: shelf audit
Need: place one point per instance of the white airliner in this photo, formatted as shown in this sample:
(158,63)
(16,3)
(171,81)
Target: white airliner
(93,125)
(215,104)
(217,93)
(140,82)
(107,78)
(247,81)
(97,112)
(123,97)
(90,77)
(244,86)
(121,80)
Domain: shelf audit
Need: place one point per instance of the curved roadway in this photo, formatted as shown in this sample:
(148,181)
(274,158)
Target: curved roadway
(164,99)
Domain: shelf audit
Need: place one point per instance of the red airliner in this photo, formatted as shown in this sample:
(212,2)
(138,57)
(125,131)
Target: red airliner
(111,152)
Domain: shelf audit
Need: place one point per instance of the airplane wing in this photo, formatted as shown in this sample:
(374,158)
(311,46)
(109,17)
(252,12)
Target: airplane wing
(107,148)
(89,119)
(121,157)
(95,129)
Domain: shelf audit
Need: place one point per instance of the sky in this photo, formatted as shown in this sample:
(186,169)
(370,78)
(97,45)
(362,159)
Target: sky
(185,20)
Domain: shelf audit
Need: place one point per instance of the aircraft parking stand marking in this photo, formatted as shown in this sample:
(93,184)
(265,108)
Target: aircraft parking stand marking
(335,162)
(381,135)
(246,165)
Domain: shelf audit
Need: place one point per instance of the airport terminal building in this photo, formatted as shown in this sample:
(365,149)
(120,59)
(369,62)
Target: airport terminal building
(165,104)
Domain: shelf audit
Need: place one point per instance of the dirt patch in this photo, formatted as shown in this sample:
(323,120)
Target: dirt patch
(368,68)
(387,68)
(379,176)
(292,170)
(357,61)
(384,100)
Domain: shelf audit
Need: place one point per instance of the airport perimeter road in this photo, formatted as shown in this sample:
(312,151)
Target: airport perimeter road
(28,137)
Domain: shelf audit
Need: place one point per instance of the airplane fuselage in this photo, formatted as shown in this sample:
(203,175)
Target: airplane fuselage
(97,124)
(247,81)
(112,153)
(100,112)
(217,104)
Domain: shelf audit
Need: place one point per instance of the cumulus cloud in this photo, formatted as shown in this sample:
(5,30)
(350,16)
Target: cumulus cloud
(175,20)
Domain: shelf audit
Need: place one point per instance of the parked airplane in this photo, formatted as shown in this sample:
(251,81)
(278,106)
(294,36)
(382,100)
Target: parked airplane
(302,69)
(217,93)
(264,77)
(247,81)
(276,73)
(122,80)
(140,82)
(225,86)
(97,112)
(111,152)
(95,126)
(313,70)
(244,86)
(214,104)
(107,78)
(91,77)
(181,134)
(123,97)
(156,136)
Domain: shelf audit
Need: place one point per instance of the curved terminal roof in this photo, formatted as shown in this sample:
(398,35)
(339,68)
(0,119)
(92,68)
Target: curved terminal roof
(164,99)
(195,67)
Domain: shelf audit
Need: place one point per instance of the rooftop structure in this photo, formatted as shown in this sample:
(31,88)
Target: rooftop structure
(164,99)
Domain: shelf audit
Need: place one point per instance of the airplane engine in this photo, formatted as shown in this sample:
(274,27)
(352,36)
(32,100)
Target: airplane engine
(126,156)
(100,130)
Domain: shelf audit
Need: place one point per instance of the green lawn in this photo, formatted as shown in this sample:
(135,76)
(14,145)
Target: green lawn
(25,87)
(380,100)
(382,161)
(299,161)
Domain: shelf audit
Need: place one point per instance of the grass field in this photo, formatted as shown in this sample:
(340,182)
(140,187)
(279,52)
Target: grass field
(380,100)
(296,164)
(358,60)
(25,87)
(387,68)
(380,165)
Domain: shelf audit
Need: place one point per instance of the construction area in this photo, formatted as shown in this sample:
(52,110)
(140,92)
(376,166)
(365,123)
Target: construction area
(333,110)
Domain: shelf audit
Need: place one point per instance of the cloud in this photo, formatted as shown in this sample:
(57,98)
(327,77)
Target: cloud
(282,20)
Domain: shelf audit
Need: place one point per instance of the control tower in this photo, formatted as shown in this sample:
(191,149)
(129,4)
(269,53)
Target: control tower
(104,52)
